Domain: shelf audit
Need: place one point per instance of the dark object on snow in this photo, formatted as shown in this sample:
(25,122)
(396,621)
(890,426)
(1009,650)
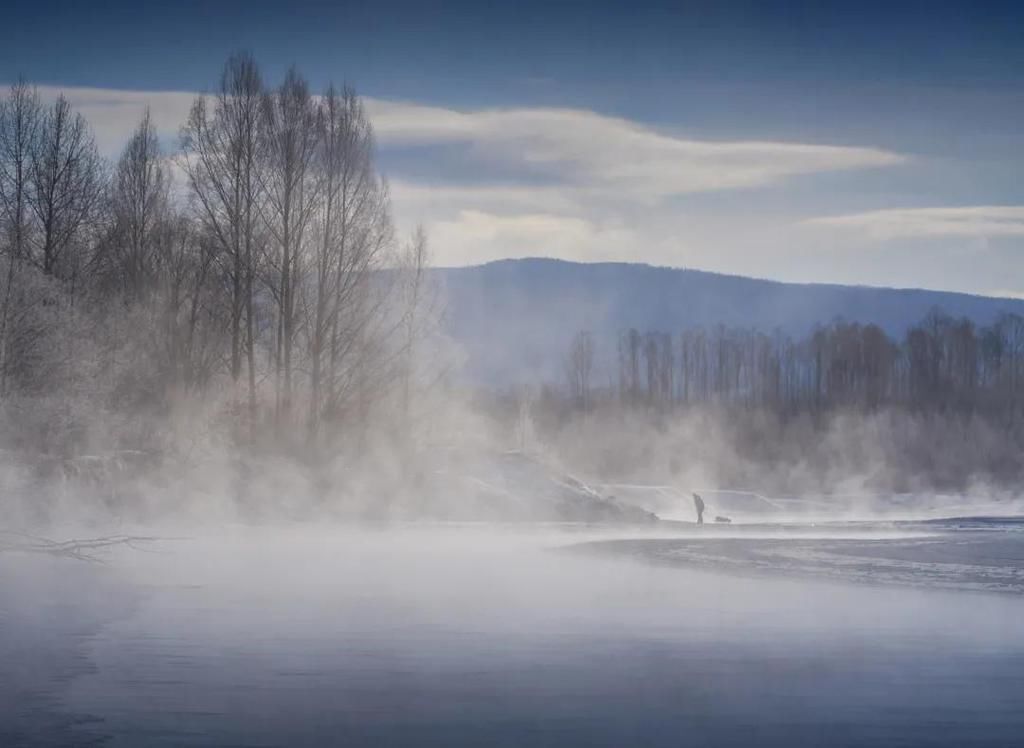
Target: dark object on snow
(723,520)
(698,504)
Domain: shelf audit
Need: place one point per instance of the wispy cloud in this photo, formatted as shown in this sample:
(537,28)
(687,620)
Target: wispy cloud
(114,114)
(608,155)
(425,198)
(478,236)
(981,221)
(602,175)
(576,148)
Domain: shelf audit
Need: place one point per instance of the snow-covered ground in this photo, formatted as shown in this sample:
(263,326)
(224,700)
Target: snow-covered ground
(675,503)
(977,554)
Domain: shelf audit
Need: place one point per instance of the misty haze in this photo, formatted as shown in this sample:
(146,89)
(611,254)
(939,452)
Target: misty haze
(548,375)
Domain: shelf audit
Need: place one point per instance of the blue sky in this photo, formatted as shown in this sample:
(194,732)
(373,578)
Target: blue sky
(873,143)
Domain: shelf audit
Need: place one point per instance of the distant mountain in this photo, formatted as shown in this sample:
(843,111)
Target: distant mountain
(515,318)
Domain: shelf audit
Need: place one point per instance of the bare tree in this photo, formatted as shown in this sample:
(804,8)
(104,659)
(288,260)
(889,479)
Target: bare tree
(291,138)
(579,368)
(140,202)
(66,187)
(186,316)
(629,365)
(20,116)
(220,157)
(355,242)
(421,310)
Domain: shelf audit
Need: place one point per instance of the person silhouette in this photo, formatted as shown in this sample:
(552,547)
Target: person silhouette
(698,504)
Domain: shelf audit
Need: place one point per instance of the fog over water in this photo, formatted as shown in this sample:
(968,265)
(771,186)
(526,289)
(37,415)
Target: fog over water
(474,634)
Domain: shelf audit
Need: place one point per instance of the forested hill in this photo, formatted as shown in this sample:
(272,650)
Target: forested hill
(515,318)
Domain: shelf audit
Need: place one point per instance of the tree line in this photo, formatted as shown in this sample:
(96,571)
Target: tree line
(257,259)
(942,365)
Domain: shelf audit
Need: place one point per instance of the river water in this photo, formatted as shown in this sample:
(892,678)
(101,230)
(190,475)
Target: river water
(476,636)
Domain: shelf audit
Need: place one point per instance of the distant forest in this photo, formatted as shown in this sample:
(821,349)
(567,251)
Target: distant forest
(942,365)
(846,409)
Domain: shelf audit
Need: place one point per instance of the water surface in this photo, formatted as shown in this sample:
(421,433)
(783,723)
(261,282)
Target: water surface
(472,636)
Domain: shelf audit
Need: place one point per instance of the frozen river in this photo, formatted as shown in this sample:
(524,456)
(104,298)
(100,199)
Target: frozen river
(473,636)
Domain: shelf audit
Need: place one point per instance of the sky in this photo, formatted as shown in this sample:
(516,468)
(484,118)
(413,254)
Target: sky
(866,143)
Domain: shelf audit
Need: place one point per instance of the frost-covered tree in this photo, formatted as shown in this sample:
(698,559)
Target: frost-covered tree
(66,187)
(291,136)
(220,155)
